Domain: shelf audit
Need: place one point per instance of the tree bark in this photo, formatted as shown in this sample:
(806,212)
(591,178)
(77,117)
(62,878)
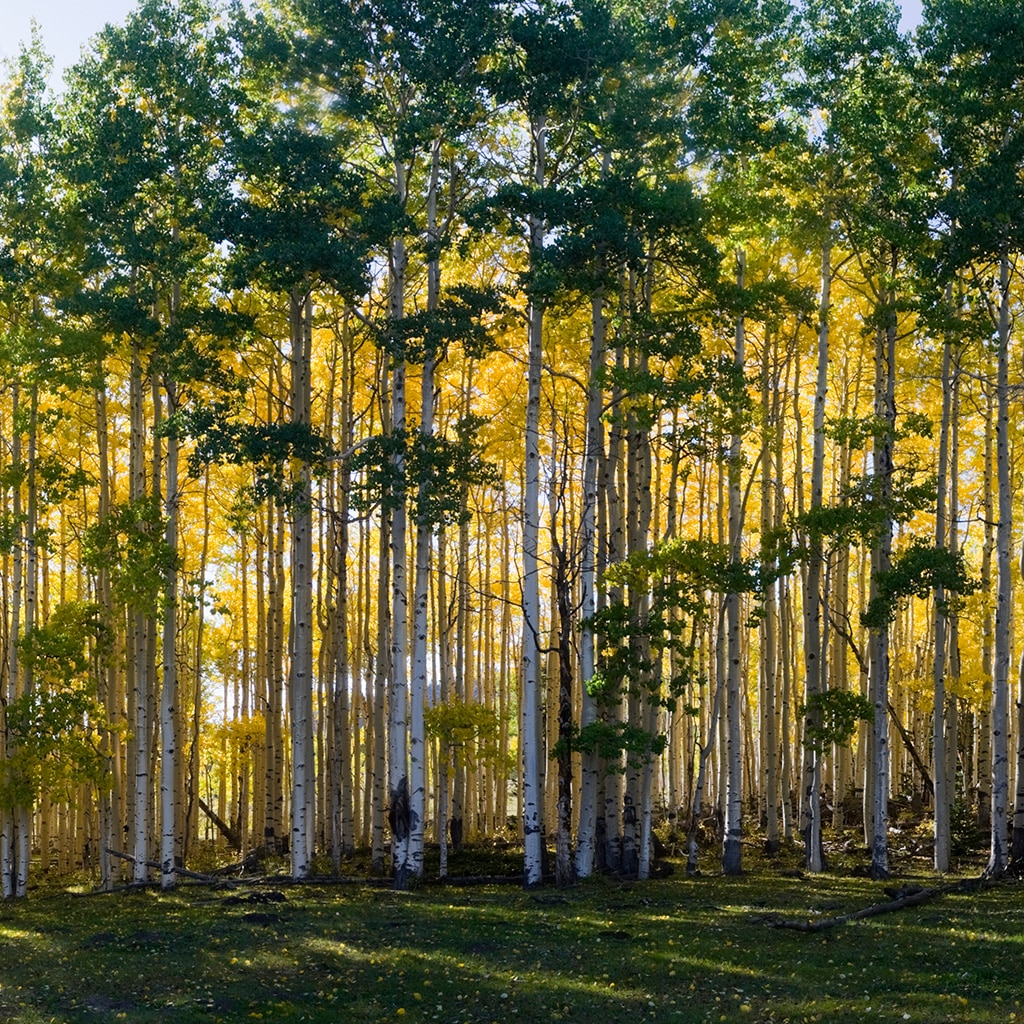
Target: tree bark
(300,678)
(942,794)
(881,562)
(814,669)
(999,852)
(531,740)
(732,850)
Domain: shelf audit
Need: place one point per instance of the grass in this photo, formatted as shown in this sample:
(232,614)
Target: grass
(669,950)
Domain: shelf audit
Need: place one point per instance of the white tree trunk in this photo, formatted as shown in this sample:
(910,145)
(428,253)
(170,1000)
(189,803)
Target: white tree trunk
(813,598)
(881,562)
(398,719)
(732,851)
(984,755)
(999,853)
(942,793)
(300,675)
(421,585)
(169,675)
(139,656)
(531,740)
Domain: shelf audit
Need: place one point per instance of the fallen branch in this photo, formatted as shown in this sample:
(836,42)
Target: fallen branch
(908,898)
(223,827)
(184,872)
(251,863)
(908,742)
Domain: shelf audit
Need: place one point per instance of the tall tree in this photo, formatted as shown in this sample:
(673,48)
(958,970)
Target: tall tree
(975,71)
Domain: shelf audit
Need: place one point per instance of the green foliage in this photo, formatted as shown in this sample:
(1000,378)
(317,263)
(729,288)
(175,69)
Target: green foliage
(710,392)
(54,731)
(444,465)
(832,717)
(60,650)
(130,545)
(965,837)
(301,218)
(861,515)
(270,450)
(917,572)
(471,729)
(610,740)
(54,745)
(463,316)
(676,577)
(10,529)
(857,431)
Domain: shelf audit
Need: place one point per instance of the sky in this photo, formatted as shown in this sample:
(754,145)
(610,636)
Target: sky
(68,24)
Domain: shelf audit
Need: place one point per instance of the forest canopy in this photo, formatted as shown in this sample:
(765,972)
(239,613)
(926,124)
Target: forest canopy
(437,419)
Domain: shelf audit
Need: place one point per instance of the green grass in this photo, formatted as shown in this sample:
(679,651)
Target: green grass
(671,950)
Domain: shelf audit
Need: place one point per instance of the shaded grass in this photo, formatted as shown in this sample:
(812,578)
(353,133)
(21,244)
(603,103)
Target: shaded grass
(673,950)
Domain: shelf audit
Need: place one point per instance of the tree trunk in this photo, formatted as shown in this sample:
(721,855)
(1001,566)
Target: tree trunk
(589,782)
(732,850)
(300,677)
(531,740)
(565,873)
(984,757)
(139,657)
(424,535)
(881,562)
(999,853)
(814,681)
(169,794)
(400,809)
(942,793)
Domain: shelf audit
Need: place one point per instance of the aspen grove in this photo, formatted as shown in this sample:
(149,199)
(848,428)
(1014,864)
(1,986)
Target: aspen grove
(423,420)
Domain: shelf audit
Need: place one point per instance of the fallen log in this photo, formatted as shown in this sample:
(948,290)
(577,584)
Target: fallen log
(911,897)
(184,872)
(232,837)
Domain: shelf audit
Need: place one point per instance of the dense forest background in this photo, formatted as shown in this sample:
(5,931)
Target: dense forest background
(441,418)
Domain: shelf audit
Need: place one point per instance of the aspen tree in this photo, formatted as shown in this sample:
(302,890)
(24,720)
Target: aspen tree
(943,792)
(550,92)
(26,137)
(965,56)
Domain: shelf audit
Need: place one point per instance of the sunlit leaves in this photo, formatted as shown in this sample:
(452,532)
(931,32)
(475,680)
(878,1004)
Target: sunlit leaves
(916,572)
(130,545)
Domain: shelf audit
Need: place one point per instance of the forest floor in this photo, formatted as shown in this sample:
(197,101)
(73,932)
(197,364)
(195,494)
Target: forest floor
(673,950)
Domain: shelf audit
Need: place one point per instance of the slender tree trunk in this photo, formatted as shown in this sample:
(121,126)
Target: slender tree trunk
(565,873)
(999,855)
(9,847)
(769,635)
(881,561)
(984,757)
(341,774)
(942,794)
(300,678)
(813,599)
(110,798)
(531,739)
(169,795)
(589,782)
(424,534)
(382,671)
(732,850)
(953,615)
(400,809)
(139,658)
